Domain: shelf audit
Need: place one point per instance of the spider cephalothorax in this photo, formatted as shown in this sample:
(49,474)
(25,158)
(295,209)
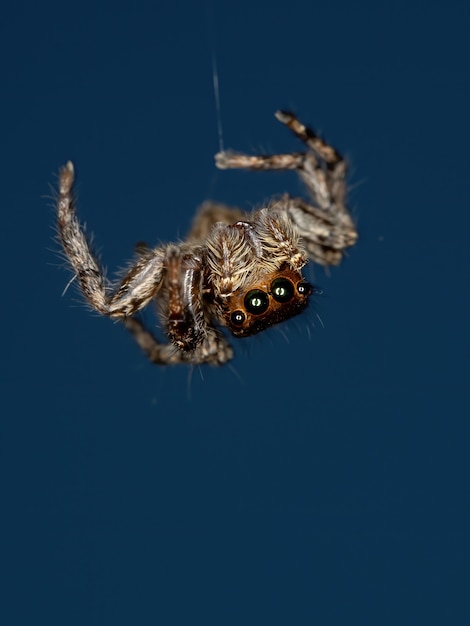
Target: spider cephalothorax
(255,272)
(235,270)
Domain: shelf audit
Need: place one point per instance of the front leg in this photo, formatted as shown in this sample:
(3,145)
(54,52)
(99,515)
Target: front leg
(324,223)
(138,286)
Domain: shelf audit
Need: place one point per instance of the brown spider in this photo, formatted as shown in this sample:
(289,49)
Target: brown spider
(238,270)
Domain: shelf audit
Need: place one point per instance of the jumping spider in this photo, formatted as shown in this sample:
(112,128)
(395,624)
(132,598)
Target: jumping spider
(238,270)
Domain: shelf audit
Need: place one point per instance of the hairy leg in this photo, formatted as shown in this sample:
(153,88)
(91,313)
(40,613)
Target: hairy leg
(325,223)
(138,286)
(214,350)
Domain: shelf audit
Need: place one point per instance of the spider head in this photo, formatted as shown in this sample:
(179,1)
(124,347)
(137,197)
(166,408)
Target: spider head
(273,299)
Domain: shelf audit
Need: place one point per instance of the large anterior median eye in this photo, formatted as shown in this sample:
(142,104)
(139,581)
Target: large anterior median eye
(256,301)
(282,290)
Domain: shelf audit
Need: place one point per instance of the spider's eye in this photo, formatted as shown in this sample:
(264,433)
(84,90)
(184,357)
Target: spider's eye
(304,288)
(237,318)
(282,290)
(256,301)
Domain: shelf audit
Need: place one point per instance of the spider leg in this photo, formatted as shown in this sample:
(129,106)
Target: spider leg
(138,286)
(324,223)
(158,353)
(214,350)
(192,339)
(230,160)
(326,152)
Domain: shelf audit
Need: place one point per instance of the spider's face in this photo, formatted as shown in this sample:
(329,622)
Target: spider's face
(275,298)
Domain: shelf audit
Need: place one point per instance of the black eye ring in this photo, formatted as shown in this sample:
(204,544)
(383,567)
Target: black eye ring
(304,288)
(237,318)
(256,301)
(282,290)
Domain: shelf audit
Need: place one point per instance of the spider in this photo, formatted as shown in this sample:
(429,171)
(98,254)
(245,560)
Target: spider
(235,270)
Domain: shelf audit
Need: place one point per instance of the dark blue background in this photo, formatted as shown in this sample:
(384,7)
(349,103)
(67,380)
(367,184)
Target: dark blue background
(323,479)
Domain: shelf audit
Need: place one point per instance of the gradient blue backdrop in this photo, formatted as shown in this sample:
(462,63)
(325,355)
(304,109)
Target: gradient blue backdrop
(324,479)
